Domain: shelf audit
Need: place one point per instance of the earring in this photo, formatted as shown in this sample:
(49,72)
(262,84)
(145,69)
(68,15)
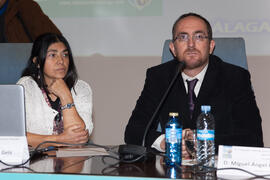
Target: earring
(38,67)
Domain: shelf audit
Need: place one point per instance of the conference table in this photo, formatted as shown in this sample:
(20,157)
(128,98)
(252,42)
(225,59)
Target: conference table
(49,166)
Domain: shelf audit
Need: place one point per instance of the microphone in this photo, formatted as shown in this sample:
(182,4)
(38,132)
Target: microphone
(132,153)
(164,97)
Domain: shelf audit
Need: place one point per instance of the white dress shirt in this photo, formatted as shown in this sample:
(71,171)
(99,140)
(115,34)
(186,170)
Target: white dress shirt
(185,77)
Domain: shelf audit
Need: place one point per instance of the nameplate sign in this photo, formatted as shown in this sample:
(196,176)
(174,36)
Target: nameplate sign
(13,149)
(252,159)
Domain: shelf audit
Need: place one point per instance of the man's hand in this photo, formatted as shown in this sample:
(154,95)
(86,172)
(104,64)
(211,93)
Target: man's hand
(185,154)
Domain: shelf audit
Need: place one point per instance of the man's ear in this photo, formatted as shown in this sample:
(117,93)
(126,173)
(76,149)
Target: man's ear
(171,46)
(212,46)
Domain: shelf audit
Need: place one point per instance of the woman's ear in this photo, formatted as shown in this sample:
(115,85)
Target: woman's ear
(35,61)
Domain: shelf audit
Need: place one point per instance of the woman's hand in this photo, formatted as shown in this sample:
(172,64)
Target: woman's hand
(74,127)
(59,88)
(74,135)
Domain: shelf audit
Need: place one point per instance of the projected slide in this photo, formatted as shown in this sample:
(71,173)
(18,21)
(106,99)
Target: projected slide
(101,8)
(139,27)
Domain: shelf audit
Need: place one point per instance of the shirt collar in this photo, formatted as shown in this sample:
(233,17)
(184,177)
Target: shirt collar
(199,76)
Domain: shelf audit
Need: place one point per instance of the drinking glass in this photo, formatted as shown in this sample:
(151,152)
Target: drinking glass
(190,138)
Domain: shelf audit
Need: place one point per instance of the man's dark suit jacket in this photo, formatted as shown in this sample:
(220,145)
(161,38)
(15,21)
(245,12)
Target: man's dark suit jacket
(226,88)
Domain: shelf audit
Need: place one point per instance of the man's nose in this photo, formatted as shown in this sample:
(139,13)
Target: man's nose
(191,41)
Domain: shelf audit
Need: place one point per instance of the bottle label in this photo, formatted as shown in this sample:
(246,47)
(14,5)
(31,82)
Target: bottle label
(173,135)
(206,134)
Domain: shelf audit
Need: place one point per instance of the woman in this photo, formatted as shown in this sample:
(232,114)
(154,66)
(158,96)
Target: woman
(58,105)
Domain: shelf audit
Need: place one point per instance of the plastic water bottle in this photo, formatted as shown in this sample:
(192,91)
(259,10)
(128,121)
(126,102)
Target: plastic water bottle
(173,172)
(206,138)
(173,139)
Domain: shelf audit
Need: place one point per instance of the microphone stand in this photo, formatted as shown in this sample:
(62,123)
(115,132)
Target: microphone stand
(131,153)
(178,70)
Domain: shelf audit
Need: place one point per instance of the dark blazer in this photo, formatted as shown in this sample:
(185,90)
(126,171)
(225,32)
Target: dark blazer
(25,21)
(226,88)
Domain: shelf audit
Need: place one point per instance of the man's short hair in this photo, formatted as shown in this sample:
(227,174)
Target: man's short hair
(208,26)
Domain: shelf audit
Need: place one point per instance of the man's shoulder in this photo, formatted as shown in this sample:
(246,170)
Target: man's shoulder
(231,76)
(25,2)
(25,6)
(225,67)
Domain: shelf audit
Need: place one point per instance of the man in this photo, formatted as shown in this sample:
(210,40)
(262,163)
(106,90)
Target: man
(225,87)
(21,21)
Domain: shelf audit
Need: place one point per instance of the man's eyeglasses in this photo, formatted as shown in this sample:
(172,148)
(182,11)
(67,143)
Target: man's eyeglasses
(198,37)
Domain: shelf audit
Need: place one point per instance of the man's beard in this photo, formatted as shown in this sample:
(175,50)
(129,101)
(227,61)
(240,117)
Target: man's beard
(191,63)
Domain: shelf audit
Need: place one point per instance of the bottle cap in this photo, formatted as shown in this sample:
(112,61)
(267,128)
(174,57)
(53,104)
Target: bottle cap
(173,114)
(205,108)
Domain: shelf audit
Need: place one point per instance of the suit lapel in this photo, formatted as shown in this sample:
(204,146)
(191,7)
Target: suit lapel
(209,88)
(177,101)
